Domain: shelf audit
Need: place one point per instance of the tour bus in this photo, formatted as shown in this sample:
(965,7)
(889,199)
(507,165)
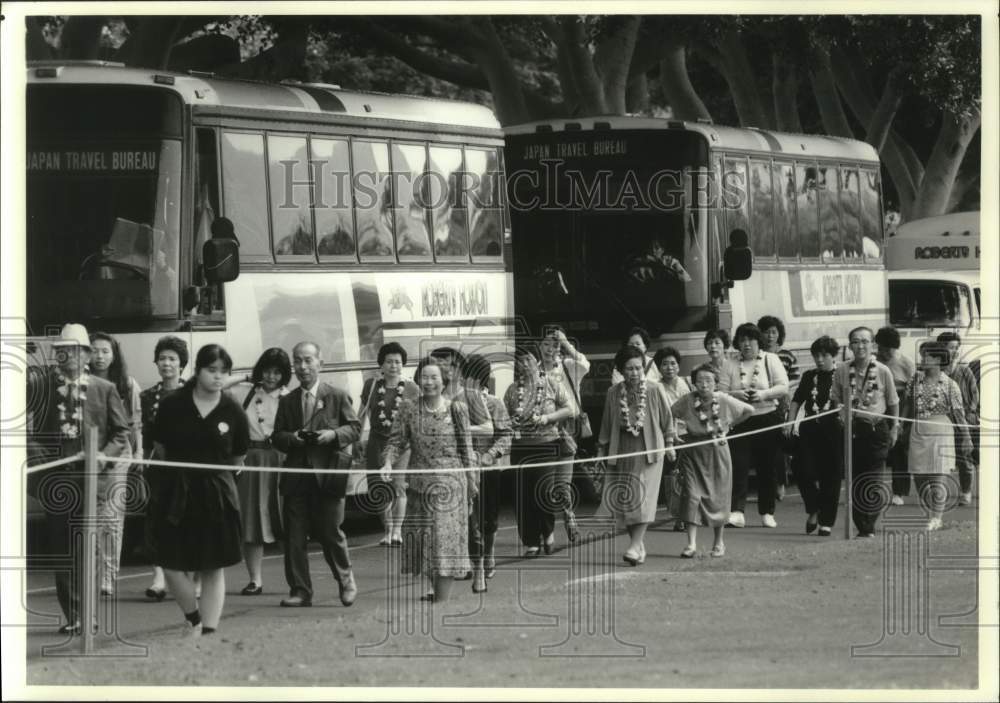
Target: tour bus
(934,280)
(628,221)
(359,218)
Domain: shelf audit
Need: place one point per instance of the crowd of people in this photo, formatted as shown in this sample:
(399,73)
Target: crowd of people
(436,444)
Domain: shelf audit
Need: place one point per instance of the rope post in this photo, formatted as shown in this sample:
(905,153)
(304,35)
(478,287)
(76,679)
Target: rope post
(848,467)
(88,615)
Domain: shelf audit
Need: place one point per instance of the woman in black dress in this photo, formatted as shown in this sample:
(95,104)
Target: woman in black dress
(195,512)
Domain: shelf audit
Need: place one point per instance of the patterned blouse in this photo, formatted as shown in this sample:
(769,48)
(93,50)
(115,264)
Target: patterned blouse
(935,398)
(540,398)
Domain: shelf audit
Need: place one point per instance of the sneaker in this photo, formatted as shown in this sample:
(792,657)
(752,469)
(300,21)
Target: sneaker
(934,524)
(768,520)
(898,500)
(965,498)
(825,531)
(737,519)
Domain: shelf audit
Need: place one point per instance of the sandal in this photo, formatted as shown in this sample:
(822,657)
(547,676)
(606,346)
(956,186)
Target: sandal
(490,566)
(631,557)
(718,550)
(396,541)
(384,542)
(688,553)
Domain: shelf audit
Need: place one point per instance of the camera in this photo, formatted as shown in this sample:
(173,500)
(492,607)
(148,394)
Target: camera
(310,437)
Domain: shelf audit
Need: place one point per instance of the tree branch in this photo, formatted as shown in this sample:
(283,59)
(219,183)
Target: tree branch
(831,109)
(885,112)
(676,84)
(586,80)
(612,59)
(944,162)
(735,65)
(785,91)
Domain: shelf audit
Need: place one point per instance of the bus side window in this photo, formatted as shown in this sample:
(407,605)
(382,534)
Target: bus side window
(449,218)
(735,195)
(333,207)
(871,220)
(806,207)
(850,212)
(761,208)
(204,299)
(484,203)
(373,199)
(828,199)
(291,215)
(244,193)
(412,190)
(784,211)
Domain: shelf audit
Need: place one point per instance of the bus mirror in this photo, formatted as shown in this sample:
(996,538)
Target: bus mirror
(191,298)
(737,260)
(221,259)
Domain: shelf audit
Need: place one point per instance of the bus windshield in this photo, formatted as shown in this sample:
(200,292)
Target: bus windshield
(604,238)
(103,206)
(917,303)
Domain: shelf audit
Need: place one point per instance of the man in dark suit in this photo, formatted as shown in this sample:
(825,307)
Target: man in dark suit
(315,424)
(70,402)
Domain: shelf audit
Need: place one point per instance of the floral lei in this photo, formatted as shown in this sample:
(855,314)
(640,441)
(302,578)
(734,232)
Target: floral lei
(519,417)
(386,420)
(814,407)
(69,422)
(714,425)
(632,428)
(754,376)
(871,385)
(924,407)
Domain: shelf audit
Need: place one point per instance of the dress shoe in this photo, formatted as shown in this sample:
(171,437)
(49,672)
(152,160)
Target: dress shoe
(688,553)
(737,519)
(631,557)
(71,628)
(679,525)
(812,523)
(252,589)
(642,554)
(718,550)
(490,566)
(824,531)
(157,594)
(296,602)
(965,498)
(531,552)
(479,583)
(348,591)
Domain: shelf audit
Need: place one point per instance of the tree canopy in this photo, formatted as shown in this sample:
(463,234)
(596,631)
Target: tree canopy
(908,84)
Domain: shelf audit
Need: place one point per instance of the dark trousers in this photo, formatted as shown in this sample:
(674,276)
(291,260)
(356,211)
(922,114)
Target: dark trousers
(319,515)
(819,468)
(67,551)
(484,513)
(761,452)
(869,487)
(899,465)
(537,500)
(964,461)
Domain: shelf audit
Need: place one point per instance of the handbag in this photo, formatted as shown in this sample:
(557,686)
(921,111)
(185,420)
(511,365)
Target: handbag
(582,429)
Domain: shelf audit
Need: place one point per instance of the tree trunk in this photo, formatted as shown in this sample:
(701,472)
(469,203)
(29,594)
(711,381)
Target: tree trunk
(943,164)
(81,37)
(564,68)
(495,62)
(831,109)
(742,83)
(677,88)
(884,113)
(581,63)
(637,94)
(612,59)
(785,89)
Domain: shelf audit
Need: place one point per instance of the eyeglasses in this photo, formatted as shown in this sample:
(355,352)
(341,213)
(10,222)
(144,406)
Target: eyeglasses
(864,342)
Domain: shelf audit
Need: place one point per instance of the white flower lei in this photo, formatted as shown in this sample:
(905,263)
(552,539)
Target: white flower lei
(640,415)
(871,385)
(539,399)
(386,420)
(756,372)
(814,394)
(716,431)
(69,422)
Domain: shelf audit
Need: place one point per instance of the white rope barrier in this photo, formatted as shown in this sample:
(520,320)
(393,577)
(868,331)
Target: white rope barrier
(910,419)
(52,464)
(468,469)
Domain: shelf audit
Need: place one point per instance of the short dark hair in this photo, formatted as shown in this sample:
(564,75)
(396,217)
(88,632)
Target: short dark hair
(769,321)
(750,331)
(949,337)
(706,368)
(432,360)
(175,344)
(721,335)
(936,350)
(859,329)
(663,353)
(391,348)
(643,335)
(626,353)
(209,354)
(477,368)
(887,336)
(273,358)
(454,355)
(825,345)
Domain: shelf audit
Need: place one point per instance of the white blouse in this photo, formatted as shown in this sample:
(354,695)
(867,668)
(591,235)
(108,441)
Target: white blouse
(261,412)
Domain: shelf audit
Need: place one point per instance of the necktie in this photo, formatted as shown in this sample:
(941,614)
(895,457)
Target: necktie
(308,405)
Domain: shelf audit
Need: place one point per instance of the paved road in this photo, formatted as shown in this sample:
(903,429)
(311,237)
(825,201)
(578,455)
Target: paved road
(374,566)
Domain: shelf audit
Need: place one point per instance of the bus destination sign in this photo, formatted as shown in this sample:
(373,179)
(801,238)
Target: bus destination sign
(575,150)
(99,160)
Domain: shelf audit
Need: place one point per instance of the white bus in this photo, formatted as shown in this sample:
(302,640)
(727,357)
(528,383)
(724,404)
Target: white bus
(623,221)
(934,280)
(361,218)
